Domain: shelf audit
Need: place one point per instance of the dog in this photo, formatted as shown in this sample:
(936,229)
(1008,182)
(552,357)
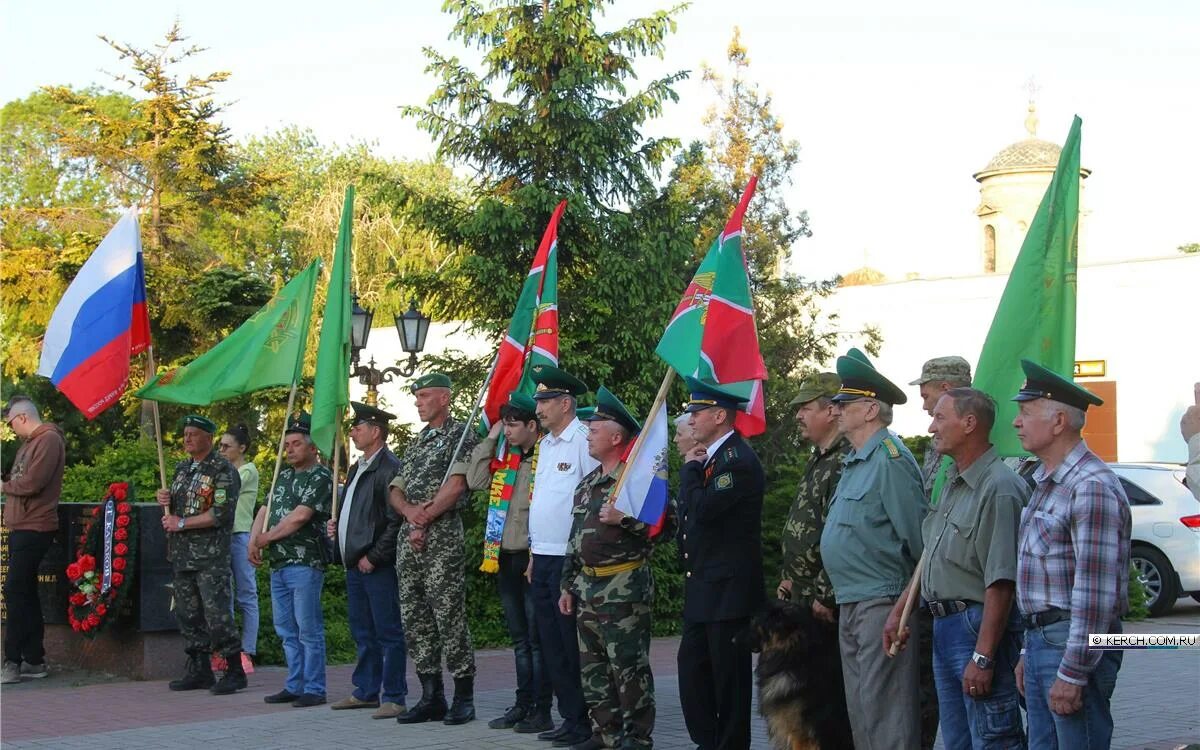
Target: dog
(799,676)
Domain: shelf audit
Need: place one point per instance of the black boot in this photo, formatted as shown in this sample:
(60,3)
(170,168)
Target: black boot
(462,709)
(432,706)
(198,676)
(234,678)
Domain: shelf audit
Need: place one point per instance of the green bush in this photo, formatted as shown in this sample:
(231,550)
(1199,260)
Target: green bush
(1137,598)
(125,460)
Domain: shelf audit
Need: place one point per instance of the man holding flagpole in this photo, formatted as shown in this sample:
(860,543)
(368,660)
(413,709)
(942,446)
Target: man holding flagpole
(607,569)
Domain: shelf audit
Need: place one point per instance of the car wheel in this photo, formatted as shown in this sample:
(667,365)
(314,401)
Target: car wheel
(1157,577)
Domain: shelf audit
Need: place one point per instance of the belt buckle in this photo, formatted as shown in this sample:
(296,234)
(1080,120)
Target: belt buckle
(937,609)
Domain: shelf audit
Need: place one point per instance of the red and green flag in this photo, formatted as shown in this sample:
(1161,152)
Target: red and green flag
(331,385)
(532,336)
(712,335)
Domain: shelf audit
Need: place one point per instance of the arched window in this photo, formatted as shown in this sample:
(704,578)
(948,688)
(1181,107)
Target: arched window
(989,249)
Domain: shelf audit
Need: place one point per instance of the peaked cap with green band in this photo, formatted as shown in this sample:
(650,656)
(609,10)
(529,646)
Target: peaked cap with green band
(432,380)
(520,402)
(861,380)
(609,408)
(553,382)
(199,422)
(301,423)
(1041,382)
(369,414)
(584,413)
(858,354)
(707,395)
(815,386)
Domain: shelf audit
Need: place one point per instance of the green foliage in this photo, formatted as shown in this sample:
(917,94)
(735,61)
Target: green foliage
(917,445)
(1137,598)
(126,460)
(1189,248)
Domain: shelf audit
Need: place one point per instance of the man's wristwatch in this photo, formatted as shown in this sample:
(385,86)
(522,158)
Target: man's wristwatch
(981,661)
(182,523)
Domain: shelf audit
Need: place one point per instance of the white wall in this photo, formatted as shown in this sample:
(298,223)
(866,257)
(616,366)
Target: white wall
(1142,317)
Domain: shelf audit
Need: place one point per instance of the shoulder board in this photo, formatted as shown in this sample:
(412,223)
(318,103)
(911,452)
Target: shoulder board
(582,428)
(731,453)
(890,445)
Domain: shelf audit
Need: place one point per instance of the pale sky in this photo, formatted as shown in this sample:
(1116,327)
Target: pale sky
(894,105)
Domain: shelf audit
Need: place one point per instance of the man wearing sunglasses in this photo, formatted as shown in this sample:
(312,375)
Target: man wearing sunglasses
(31,493)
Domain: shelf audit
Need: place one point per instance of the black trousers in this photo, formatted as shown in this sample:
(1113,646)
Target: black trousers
(516,597)
(715,684)
(559,640)
(23,627)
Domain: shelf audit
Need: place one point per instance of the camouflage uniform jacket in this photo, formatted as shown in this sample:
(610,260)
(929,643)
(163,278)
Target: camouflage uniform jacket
(929,469)
(197,486)
(802,532)
(595,544)
(422,469)
(312,487)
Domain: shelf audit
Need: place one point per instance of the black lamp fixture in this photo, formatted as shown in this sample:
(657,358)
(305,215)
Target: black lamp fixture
(413,327)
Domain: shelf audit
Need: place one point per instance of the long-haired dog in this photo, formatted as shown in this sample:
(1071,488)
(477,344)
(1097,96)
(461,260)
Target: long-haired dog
(799,674)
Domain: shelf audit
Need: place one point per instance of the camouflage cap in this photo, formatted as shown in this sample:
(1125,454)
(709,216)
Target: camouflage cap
(432,380)
(950,369)
(199,422)
(815,386)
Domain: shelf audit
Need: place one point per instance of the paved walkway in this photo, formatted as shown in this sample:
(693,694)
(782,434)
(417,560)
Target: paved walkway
(1157,705)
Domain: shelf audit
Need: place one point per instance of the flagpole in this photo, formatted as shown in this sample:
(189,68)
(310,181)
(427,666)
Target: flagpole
(474,412)
(162,464)
(279,455)
(655,408)
(910,596)
(337,459)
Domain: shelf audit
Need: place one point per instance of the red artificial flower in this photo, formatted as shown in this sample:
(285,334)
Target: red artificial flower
(75,625)
(118,563)
(86,563)
(101,610)
(120,534)
(119,491)
(118,579)
(78,599)
(93,619)
(121,548)
(124,507)
(122,521)
(96,511)
(73,571)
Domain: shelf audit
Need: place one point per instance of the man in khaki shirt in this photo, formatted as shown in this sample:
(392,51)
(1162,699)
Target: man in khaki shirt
(968,579)
(518,420)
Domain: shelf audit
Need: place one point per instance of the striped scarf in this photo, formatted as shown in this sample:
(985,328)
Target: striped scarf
(504,480)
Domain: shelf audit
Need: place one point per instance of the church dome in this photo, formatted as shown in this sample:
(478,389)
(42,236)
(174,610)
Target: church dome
(1031,152)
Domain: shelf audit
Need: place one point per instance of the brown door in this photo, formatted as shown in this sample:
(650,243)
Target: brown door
(1100,431)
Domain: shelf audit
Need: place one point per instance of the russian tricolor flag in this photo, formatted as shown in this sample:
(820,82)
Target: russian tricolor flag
(100,323)
(644,493)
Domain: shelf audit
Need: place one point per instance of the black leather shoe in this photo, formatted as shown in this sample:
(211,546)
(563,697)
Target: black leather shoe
(591,743)
(575,737)
(462,708)
(309,699)
(538,721)
(234,678)
(431,707)
(554,734)
(283,696)
(199,675)
(511,718)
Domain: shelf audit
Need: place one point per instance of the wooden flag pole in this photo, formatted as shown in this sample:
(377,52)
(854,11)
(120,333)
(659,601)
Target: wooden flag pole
(637,446)
(910,596)
(474,413)
(337,459)
(162,463)
(279,456)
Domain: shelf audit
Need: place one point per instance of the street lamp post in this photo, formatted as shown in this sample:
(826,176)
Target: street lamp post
(413,328)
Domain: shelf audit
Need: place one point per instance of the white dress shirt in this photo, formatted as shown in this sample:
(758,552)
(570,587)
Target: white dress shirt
(716,446)
(348,500)
(563,460)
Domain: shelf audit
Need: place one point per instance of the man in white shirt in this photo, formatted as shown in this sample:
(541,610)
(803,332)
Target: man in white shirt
(561,461)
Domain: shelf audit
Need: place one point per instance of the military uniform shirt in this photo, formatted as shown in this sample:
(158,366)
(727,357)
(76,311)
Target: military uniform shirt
(422,470)
(971,537)
(802,533)
(312,487)
(563,460)
(872,536)
(197,486)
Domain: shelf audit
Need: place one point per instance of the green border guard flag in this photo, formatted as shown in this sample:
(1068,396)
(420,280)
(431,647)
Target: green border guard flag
(265,351)
(331,386)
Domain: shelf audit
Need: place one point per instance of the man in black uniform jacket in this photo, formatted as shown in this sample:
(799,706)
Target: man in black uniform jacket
(720,540)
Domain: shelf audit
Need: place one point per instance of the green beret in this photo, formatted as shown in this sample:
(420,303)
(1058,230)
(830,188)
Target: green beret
(553,382)
(370,415)
(1044,383)
(610,409)
(950,369)
(860,379)
(432,380)
(815,386)
(203,423)
(707,395)
(301,423)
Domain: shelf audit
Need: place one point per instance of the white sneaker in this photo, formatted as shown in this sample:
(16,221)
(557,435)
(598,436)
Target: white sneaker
(10,673)
(36,671)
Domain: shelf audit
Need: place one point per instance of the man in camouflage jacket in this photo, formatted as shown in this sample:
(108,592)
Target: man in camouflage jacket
(198,521)
(607,568)
(429,555)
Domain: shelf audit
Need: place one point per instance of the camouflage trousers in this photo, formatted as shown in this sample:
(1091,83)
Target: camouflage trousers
(614,666)
(433,605)
(929,699)
(204,611)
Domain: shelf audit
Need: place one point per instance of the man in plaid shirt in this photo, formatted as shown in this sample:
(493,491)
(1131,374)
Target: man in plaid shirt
(1072,568)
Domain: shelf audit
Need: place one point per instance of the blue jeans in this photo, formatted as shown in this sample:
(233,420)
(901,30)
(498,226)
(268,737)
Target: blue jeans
(516,597)
(246,590)
(296,601)
(1091,726)
(373,607)
(993,722)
